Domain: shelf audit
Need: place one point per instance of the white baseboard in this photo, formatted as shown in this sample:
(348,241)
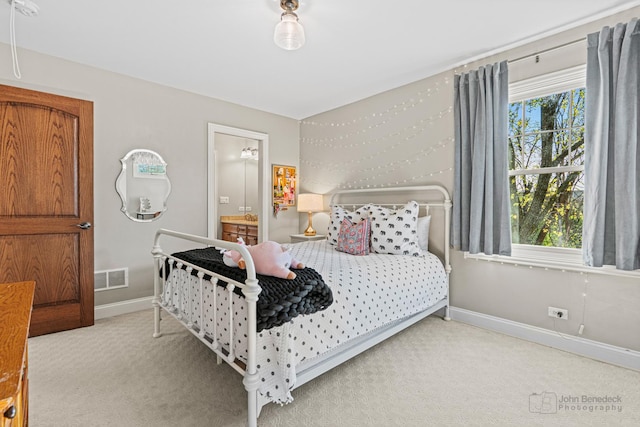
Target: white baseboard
(578,345)
(122,307)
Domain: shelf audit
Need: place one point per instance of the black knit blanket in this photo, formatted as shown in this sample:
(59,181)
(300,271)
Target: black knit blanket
(280,299)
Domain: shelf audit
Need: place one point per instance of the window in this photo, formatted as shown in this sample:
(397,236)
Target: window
(546,173)
(546,159)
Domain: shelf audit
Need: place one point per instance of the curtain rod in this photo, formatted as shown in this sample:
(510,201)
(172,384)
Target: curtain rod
(583,39)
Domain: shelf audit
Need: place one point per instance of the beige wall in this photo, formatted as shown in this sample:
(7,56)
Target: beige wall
(131,113)
(405,136)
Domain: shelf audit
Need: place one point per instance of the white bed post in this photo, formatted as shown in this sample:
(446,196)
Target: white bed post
(157,256)
(447,262)
(251,380)
(447,265)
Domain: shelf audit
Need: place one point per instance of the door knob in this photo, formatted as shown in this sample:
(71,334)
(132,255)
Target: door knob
(84,225)
(10,413)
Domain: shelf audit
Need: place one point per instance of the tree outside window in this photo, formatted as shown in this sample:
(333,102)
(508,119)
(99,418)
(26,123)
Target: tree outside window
(546,169)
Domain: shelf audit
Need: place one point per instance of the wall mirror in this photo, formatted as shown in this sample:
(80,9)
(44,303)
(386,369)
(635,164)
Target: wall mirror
(143,185)
(238,179)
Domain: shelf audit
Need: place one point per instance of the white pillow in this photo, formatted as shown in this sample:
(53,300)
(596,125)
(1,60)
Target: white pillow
(395,231)
(338,214)
(423,232)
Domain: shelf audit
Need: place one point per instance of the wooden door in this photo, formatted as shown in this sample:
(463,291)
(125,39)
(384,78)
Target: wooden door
(46,204)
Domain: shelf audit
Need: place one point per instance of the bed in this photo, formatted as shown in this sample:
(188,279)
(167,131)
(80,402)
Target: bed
(340,306)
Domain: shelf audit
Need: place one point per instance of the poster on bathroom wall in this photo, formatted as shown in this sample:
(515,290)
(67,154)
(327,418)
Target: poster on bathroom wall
(284,187)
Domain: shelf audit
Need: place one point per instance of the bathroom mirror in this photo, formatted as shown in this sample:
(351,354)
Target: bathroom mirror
(143,185)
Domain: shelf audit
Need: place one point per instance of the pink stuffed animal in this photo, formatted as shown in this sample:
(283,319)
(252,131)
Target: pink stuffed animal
(270,259)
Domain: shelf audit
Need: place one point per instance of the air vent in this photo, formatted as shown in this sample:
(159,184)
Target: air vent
(111,279)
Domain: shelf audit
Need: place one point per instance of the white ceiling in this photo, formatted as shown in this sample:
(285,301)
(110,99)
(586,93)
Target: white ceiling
(225,50)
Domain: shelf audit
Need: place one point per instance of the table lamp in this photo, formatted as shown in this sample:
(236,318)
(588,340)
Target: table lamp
(309,202)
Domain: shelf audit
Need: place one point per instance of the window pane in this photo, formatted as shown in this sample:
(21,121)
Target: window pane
(546,209)
(532,116)
(558,108)
(578,107)
(531,151)
(561,149)
(515,119)
(577,141)
(515,153)
(548,113)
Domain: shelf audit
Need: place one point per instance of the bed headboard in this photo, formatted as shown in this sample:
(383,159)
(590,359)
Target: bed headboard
(429,197)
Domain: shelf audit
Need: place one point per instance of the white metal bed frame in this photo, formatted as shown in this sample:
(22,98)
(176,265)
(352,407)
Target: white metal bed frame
(251,290)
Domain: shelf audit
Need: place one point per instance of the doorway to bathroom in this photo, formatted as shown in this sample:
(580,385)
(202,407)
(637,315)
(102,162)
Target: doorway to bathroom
(237,184)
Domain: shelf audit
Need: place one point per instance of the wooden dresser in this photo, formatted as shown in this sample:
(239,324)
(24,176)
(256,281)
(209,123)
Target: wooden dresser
(15,316)
(237,226)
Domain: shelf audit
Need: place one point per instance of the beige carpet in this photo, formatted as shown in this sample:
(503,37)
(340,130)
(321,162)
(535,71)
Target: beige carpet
(434,373)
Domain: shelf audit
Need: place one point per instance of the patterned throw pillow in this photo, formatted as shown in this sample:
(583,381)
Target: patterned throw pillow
(395,231)
(338,214)
(354,238)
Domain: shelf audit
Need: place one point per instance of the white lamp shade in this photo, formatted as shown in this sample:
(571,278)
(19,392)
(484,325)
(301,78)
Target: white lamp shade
(289,32)
(309,202)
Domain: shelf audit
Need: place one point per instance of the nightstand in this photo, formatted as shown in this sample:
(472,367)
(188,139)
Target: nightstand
(297,238)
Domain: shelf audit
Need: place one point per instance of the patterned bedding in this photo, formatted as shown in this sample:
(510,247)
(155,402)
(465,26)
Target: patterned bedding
(369,292)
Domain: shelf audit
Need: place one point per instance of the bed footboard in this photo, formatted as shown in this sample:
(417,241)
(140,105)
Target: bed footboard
(250,289)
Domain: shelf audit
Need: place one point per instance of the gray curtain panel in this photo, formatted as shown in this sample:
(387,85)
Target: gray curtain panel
(481,186)
(611,227)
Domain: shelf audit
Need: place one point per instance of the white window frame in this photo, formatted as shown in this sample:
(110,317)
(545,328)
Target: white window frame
(548,256)
(538,87)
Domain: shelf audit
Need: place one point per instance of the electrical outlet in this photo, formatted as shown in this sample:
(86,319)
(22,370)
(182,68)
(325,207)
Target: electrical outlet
(240,208)
(224,200)
(247,208)
(559,313)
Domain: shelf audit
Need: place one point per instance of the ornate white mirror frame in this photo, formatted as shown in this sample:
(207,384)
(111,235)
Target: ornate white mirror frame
(143,185)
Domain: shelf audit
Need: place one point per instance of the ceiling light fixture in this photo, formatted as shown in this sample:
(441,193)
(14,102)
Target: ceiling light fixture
(289,32)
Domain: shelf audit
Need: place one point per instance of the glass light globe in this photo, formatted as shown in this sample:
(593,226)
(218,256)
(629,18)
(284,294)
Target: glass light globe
(289,32)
